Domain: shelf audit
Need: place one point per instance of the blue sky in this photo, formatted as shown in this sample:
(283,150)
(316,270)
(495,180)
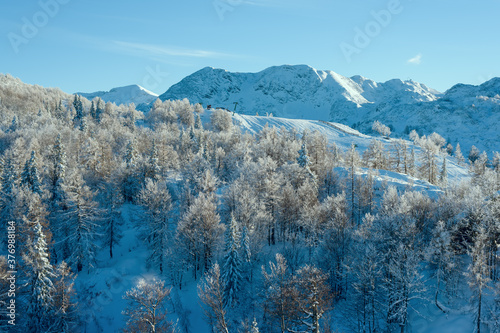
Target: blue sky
(97,45)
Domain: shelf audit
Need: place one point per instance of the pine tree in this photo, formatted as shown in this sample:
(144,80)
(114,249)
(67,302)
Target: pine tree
(303,159)
(458,155)
(30,175)
(41,275)
(77,104)
(232,265)
(198,124)
(473,154)
(92,111)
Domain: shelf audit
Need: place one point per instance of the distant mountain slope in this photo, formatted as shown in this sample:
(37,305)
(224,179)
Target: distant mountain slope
(125,95)
(294,91)
(466,114)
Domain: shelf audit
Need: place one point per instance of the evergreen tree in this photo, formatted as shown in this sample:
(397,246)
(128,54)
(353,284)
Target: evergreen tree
(458,155)
(232,265)
(473,154)
(303,159)
(78,105)
(30,175)
(41,275)
(198,124)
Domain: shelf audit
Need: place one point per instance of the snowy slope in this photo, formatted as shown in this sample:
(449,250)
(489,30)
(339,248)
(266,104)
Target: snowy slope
(343,136)
(124,95)
(466,114)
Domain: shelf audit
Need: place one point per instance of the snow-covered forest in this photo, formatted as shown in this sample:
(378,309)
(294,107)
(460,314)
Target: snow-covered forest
(180,220)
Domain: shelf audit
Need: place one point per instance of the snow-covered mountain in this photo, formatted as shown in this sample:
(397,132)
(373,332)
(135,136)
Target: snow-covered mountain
(466,114)
(294,91)
(125,95)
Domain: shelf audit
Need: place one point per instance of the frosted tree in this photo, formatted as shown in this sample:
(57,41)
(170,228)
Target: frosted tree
(495,162)
(156,200)
(335,231)
(314,296)
(303,160)
(81,224)
(440,256)
(199,232)
(58,172)
(153,167)
(66,317)
(352,160)
(211,293)
(146,309)
(92,111)
(131,180)
(255,327)
(381,128)
(221,120)
(232,265)
(375,156)
(458,155)
(112,220)
(78,106)
(280,297)
(365,271)
(198,124)
(473,154)
(30,175)
(443,175)
(428,166)
(41,275)
(478,275)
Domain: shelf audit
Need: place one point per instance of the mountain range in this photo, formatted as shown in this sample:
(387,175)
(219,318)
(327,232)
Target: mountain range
(465,114)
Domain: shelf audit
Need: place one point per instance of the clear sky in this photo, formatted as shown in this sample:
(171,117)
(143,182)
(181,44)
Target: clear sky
(94,45)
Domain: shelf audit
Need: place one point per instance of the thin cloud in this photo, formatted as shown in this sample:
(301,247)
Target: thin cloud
(416,60)
(152,50)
